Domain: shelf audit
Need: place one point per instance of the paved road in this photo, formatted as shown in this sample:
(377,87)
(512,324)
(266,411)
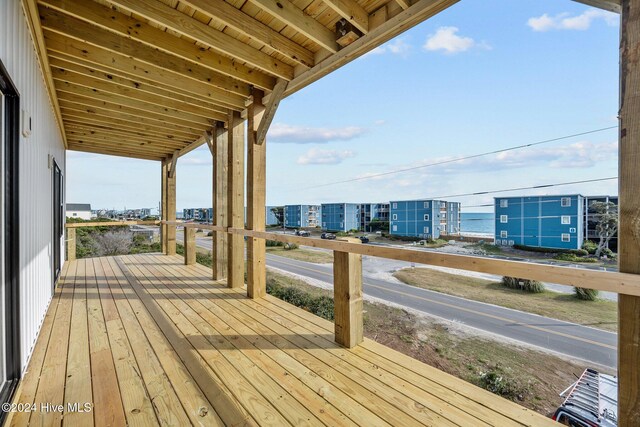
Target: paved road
(583,342)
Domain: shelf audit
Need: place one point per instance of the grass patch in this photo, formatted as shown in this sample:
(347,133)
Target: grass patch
(486,248)
(600,313)
(574,258)
(317,257)
(531,378)
(438,243)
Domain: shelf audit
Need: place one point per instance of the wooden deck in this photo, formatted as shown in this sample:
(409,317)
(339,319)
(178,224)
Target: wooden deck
(149,341)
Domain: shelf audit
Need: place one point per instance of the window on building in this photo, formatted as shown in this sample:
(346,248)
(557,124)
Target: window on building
(395,217)
(443,205)
(426,205)
(425,230)
(503,234)
(426,217)
(444,215)
(566,237)
(504,219)
(572,230)
(504,203)
(395,206)
(395,228)
(341,224)
(565,202)
(511,242)
(75,214)
(324,225)
(565,219)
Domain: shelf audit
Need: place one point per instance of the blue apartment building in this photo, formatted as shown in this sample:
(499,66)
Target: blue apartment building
(340,216)
(425,219)
(373,212)
(301,216)
(198,214)
(540,221)
(271,218)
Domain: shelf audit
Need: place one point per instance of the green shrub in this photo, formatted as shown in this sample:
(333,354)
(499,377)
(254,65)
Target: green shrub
(579,252)
(589,246)
(319,305)
(274,243)
(209,234)
(609,253)
(497,381)
(573,258)
(585,294)
(290,246)
(526,285)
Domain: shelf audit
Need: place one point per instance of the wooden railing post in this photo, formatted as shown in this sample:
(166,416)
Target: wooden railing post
(347,298)
(189,234)
(236,200)
(71,244)
(256,189)
(171,203)
(163,206)
(220,201)
(629,230)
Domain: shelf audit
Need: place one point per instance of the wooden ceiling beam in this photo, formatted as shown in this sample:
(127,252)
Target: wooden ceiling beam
(82,66)
(290,14)
(118,111)
(80,127)
(610,5)
(135,107)
(391,27)
(227,14)
(352,12)
(222,88)
(62,75)
(129,27)
(73,146)
(177,21)
(116,144)
(92,119)
(81,73)
(77,49)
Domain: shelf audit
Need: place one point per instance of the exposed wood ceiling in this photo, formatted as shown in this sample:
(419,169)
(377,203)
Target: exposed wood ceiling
(148,78)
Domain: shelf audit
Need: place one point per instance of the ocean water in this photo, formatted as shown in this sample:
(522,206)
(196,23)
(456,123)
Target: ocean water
(477,222)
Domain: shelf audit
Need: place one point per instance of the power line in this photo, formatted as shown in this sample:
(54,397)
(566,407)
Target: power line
(479,193)
(457,159)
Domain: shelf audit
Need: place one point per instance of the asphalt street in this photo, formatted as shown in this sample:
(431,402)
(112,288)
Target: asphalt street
(579,341)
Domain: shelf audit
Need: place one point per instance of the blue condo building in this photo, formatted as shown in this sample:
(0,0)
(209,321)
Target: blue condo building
(271,218)
(540,221)
(426,219)
(373,212)
(340,216)
(301,216)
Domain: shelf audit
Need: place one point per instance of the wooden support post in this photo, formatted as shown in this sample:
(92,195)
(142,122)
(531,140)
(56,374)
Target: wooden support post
(220,197)
(171,205)
(256,190)
(189,245)
(71,244)
(163,205)
(629,229)
(347,298)
(236,199)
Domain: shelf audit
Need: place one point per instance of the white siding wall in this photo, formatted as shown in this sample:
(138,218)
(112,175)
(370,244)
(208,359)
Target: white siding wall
(17,53)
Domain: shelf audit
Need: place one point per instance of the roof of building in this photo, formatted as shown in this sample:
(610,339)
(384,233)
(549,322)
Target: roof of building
(78,207)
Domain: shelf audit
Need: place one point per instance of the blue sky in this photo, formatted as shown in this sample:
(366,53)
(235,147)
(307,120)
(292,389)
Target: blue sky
(481,76)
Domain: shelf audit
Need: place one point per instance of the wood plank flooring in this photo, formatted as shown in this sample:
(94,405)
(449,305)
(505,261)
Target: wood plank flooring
(148,341)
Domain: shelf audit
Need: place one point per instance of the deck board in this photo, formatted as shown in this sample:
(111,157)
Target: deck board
(149,341)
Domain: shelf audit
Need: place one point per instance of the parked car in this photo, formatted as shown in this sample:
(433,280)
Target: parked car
(364,239)
(303,233)
(329,236)
(590,401)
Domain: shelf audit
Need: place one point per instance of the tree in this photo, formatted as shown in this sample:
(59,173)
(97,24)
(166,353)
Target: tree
(605,215)
(278,211)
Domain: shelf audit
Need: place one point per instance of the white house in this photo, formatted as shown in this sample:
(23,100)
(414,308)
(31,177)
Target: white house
(78,210)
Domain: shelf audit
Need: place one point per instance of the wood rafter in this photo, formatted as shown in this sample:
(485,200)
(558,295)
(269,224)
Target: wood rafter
(225,13)
(129,27)
(72,123)
(113,152)
(291,15)
(179,22)
(352,12)
(270,111)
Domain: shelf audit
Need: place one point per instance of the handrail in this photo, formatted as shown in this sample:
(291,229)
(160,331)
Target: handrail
(621,283)
(108,223)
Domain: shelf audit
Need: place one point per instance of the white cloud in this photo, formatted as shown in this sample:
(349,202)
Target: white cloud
(564,21)
(396,47)
(306,135)
(447,40)
(316,156)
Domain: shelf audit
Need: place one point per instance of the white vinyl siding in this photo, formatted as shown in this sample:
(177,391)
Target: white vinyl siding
(17,53)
